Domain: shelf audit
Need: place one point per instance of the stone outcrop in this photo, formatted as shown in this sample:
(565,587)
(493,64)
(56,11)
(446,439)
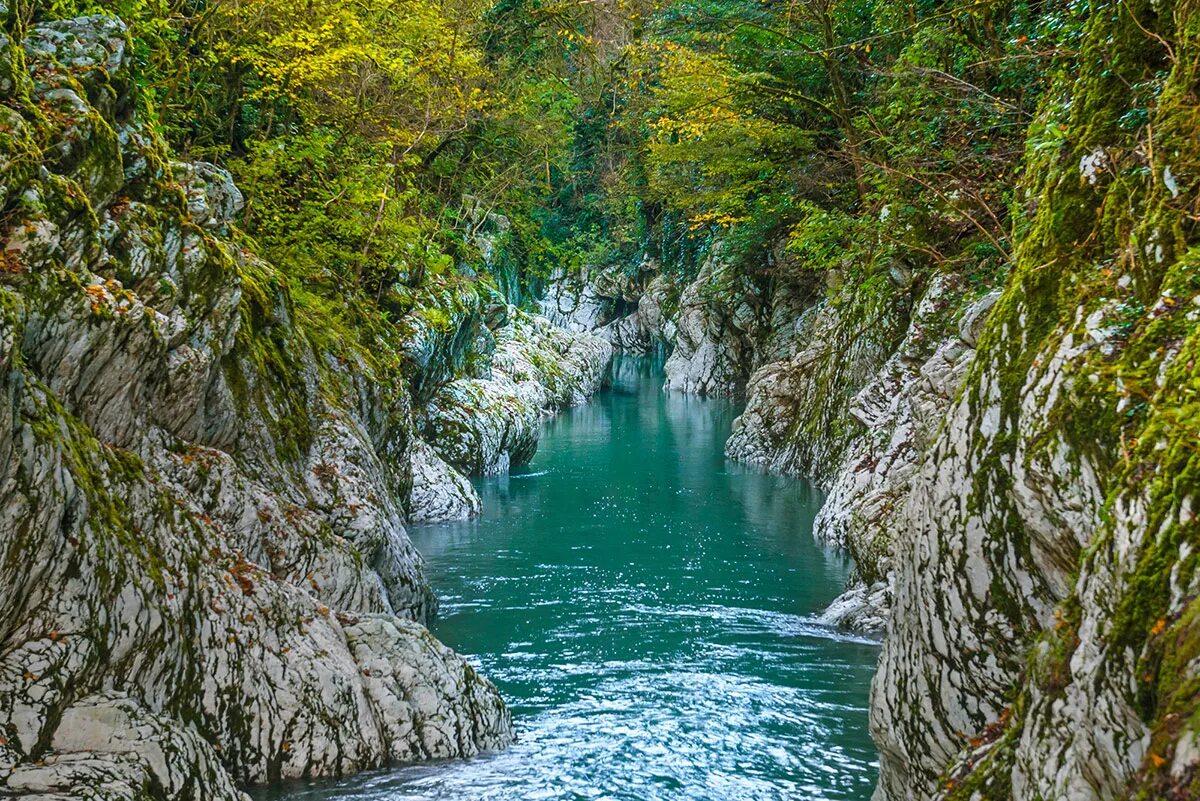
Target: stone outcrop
(797,418)
(484,426)
(650,327)
(450,327)
(1043,642)
(634,311)
(900,412)
(574,301)
(854,412)
(713,328)
(717,315)
(439,491)
(206,576)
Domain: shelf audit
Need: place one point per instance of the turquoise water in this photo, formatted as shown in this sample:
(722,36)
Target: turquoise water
(645,607)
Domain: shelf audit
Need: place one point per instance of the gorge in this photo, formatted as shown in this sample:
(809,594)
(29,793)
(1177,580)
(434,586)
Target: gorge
(290,296)
(655,634)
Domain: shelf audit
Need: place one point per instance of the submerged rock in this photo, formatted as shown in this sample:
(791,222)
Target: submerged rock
(860,608)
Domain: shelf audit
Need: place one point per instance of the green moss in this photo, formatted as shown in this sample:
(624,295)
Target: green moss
(265,372)
(1129,407)
(987,778)
(1177,711)
(104,477)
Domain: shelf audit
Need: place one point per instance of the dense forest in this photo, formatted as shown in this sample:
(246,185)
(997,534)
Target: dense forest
(375,142)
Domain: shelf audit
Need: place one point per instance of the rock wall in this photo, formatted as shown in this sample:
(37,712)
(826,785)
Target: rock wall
(713,328)
(797,418)
(484,426)
(875,371)
(1015,471)
(712,347)
(634,311)
(205,574)
(439,491)
(1043,643)
(898,413)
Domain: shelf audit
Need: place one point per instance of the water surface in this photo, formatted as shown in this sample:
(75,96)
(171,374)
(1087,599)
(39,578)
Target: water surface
(646,608)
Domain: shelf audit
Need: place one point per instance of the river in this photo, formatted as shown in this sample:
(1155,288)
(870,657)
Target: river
(646,608)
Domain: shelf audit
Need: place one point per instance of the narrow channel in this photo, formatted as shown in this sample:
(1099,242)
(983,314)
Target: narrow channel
(647,609)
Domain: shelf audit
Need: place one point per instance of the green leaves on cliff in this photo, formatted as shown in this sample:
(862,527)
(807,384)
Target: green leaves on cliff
(381,142)
(336,212)
(887,131)
(398,70)
(373,140)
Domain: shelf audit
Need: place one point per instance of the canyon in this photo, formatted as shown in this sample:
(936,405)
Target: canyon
(208,479)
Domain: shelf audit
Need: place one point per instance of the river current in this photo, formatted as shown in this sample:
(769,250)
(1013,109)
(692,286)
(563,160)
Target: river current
(646,608)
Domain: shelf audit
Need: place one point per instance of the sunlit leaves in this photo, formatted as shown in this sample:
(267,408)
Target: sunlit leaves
(400,69)
(709,152)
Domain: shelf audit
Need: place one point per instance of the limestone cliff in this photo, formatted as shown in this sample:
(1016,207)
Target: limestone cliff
(485,425)
(1044,636)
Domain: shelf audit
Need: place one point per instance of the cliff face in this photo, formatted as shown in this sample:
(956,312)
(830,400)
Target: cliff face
(1044,631)
(484,425)
(205,578)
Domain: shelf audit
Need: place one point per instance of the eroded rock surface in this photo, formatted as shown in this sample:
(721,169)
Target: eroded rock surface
(634,311)
(484,426)
(1043,641)
(206,576)
(900,412)
(712,349)
(713,328)
(439,491)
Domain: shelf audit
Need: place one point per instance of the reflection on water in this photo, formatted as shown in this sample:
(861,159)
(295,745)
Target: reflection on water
(646,608)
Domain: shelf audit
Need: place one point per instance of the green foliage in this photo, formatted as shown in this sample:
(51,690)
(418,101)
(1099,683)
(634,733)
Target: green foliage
(893,130)
(317,205)
(386,142)
(822,239)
